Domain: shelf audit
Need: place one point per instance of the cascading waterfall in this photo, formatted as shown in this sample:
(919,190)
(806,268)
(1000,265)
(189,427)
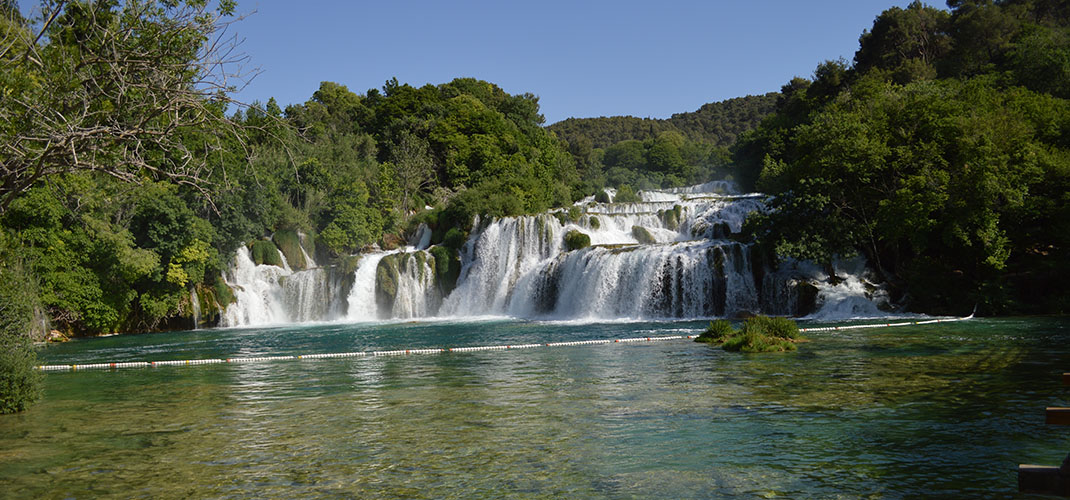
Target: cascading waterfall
(195,305)
(361,297)
(268,295)
(671,255)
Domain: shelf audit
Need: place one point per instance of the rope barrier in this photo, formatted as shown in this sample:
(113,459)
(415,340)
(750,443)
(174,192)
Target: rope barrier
(406,352)
(359,354)
(883,325)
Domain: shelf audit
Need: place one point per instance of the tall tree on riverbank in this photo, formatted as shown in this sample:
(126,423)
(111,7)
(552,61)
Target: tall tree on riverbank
(942,154)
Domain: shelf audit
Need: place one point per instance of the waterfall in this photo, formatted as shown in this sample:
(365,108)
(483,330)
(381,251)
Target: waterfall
(195,305)
(361,297)
(259,297)
(267,295)
(671,255)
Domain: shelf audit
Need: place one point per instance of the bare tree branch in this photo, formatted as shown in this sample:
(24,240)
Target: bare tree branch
(136,91)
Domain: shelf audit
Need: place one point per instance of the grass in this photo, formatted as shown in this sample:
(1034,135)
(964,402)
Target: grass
(759,334)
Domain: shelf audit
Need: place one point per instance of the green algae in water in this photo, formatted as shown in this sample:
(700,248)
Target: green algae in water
(935,411)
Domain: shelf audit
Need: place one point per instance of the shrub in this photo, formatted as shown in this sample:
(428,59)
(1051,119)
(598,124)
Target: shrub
(756,342)
(626,194)
(265,252)
(20,384)
(289,244)
(602,197)
(759,334)
(575,240)
(574,213)
(717,333)
(594,222)
(454,238)
(774,327)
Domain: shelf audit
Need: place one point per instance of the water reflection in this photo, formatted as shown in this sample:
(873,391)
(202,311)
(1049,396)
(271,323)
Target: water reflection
(928,411)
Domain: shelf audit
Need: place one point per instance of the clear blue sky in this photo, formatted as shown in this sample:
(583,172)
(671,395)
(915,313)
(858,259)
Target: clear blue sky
(582,58)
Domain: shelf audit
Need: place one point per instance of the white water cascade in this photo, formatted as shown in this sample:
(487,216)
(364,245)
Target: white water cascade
(671,255)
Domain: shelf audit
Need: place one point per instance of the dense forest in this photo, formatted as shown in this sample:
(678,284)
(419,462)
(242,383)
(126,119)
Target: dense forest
(645,153)
(717,123)
(942,153)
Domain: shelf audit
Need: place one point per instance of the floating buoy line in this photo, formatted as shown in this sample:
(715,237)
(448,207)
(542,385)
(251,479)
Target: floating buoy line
(405,352)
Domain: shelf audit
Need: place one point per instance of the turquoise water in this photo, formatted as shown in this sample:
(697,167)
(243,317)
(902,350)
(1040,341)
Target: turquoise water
(935,411)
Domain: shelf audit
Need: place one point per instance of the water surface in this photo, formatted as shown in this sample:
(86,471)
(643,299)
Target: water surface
(935,411)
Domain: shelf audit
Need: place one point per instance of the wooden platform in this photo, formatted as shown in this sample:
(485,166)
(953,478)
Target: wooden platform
(1057,416)
(1043,479)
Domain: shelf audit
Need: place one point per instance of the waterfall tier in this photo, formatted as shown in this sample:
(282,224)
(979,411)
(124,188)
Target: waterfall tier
(671,255)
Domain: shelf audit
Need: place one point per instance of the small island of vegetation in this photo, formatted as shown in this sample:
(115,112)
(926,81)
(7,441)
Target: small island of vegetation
(758,334)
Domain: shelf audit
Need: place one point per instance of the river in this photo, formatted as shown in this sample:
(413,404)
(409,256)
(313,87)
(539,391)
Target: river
(936,411)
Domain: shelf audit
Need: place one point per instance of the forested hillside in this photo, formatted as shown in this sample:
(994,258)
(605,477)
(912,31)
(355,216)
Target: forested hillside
(717,123)
(942,153)
(643,153)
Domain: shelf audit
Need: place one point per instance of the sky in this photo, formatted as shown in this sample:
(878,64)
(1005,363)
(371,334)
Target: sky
(582,58)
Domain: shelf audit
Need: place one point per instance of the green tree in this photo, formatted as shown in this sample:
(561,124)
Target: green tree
(75,97)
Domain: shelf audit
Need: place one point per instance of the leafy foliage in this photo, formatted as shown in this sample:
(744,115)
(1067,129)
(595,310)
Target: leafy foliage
(576,240)
(20,384)
(759,334)
(940,155)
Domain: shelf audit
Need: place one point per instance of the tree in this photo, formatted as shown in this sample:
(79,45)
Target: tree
(413,167)
(114,88)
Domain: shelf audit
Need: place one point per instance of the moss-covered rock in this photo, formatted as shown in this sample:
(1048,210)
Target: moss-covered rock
(672,217)
(223,294)
(387,276)
(289,243)
(349,263)
(447,268)
(264,252)
(575,240)
(642,235)
(594,223)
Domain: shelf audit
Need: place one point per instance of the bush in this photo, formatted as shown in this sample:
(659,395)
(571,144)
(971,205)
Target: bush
(717,333)
(594,222)
(626,194)
(774,327)
(602,197)
(454,238)
(20,384)
(759,334)
(575,240)
(265,252)
(289,243)
(756,342)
